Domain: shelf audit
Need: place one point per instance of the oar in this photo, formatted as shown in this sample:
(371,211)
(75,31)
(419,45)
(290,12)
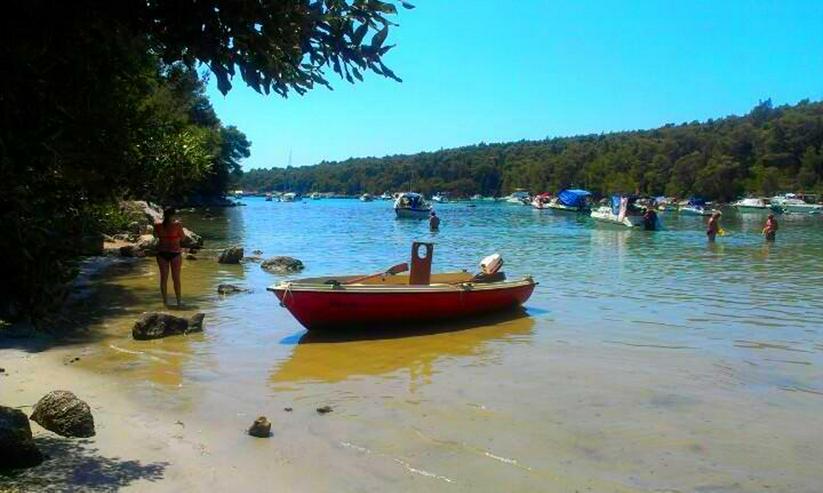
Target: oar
(394,269)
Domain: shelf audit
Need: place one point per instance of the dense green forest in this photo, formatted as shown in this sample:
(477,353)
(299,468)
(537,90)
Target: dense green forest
(768,150)
(101,101)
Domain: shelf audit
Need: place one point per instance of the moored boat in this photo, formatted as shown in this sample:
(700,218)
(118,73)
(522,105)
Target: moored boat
(386,196)
(621,210)
(290,197)
(571,200)
(794,203)
(519,197)
(440,197)
(268,197)
(541,201)
(751,204)
(366,197)
(696,207)
(411,205)
(386,299)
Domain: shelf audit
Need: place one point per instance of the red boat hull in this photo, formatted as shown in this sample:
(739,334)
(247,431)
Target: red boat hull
(331,308)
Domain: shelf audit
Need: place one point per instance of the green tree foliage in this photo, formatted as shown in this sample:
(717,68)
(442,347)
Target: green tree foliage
(766,151)
(102,100)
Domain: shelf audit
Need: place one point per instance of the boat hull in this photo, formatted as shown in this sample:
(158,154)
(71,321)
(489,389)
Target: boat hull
(327,307)
(628,221)
(404,213)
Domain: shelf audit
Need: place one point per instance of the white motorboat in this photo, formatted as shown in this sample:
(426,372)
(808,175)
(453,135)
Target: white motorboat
(440,197)
(751,203)
(411,205)
(622,210)
(695,207)
(477,196)
(269,197)
(290,197)
(316,196)
(366,197)
(519,197)
(541,201)
(386,196)
(792,203)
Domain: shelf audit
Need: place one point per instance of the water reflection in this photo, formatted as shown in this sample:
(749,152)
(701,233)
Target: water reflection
(319,358)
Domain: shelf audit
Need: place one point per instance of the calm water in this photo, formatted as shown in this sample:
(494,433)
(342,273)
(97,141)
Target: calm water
(643,362)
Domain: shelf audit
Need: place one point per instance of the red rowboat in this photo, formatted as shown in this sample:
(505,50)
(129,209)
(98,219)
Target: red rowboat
(388,299)
(325,302)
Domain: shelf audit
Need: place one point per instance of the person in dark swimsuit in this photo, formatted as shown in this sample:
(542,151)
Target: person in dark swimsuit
(650,219)
(434,222)
(713,226)
(770,230)
(169,233)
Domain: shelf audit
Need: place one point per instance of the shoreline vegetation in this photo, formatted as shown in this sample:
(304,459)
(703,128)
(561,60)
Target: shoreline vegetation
(769,150)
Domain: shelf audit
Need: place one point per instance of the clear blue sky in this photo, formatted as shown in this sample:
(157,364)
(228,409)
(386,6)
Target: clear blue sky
(496,71)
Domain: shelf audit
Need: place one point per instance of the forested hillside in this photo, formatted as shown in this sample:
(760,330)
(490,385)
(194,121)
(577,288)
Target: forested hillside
(767,150)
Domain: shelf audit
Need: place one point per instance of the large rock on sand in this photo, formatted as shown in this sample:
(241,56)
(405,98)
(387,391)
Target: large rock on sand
(232,255)
(282,265)
(62,412)
(17,448)
(154,325)
(230,289)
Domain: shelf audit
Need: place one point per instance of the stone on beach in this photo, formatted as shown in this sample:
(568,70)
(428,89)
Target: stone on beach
(17,447)
(282,265)
(231,255)
(63,413)
(230,289)
(324,410)
(261,428)
(154,325)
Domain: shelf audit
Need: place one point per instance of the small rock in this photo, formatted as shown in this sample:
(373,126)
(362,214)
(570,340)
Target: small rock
(191,239)
(62,412)
(128,251)
(261,428)
(257,252)
(232,255)
(147,244)
(17,448)
(2,370)
(154,325)
(193,250)
(230,289)
(189,256)
(324,410)
(282,265)
(255,260)
(288,409)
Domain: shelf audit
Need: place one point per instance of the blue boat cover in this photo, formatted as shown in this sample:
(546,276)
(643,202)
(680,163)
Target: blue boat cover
(616,202)
(573,197)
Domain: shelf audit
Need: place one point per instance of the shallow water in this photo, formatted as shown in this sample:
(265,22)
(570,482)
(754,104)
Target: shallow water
(645,361)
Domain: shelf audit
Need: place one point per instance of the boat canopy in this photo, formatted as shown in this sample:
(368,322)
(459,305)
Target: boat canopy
(697,202)
(573,197)
(411,200)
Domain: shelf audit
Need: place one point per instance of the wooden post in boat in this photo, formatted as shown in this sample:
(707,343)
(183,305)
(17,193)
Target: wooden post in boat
(421,267)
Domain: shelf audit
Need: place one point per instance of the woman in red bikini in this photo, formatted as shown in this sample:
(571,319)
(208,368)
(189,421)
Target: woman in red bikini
(169,233)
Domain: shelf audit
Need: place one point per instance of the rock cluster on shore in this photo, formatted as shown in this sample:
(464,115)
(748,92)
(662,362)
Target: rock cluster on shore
(63,413)
(139,240)
(154,325)
(261,428)
(231,255)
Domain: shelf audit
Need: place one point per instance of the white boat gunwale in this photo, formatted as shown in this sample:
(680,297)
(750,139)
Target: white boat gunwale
(300,285)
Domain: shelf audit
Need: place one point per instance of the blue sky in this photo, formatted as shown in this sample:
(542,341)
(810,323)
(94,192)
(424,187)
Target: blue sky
(496,71)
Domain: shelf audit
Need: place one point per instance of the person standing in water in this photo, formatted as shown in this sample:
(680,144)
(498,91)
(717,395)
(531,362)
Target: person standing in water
(650,219)
(169,233)
(434,222)
(770,230)
(713,226)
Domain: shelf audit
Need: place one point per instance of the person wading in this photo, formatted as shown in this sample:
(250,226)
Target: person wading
(650,219)
(714,226)
(770,230)
(434,222)
(169,233)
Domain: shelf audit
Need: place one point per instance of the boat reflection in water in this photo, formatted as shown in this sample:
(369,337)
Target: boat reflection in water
(334,357)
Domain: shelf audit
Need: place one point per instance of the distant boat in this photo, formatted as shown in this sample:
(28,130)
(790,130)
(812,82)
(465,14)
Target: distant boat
(238,194)
(477,196)
(519,197)
(793,203)
(440,197)
(290,197)
(621,210)
(268,197)
(315,196)
(751,203)
(571,200)
(696,207)
(411,205)
(386,196)
(366,197)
